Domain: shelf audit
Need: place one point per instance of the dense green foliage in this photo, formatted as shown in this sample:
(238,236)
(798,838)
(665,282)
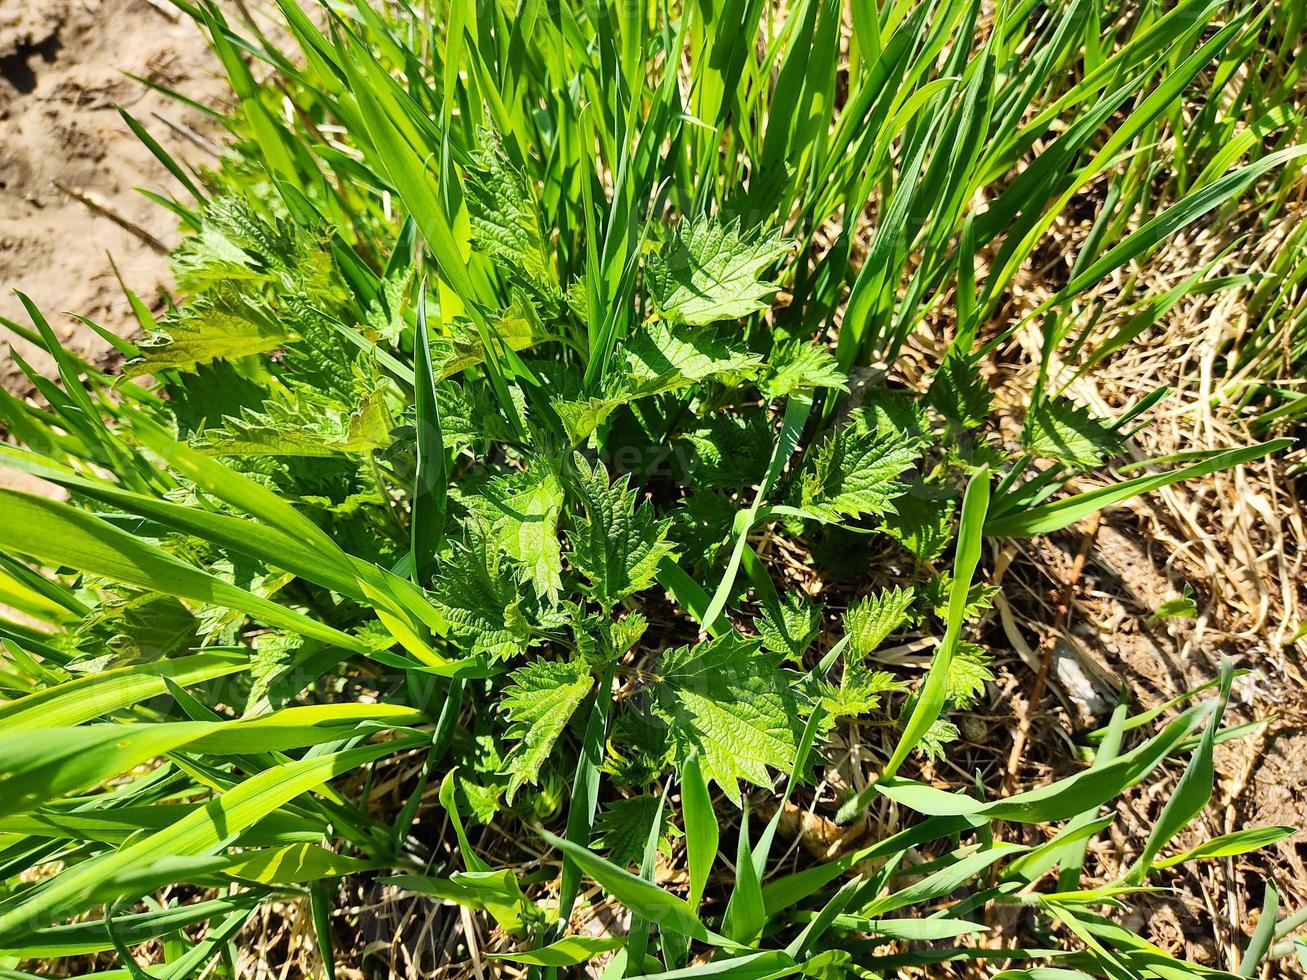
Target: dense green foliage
(518,345)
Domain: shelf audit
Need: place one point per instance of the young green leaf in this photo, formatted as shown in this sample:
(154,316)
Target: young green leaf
(616,545)
(727,701)
(855,471)
(711,271)
(1064,431)
(539,704)
(872,619)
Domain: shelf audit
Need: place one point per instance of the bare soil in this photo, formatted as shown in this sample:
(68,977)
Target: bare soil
(64,68)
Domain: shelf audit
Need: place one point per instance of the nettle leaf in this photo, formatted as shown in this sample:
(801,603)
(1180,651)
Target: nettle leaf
(385,315)
(522,511)
(871,619)
(213,257)
(479,597)
(968,672)
(220,326)
(317,357)
(582,416)
(655,361)
(790,627)
(301,428)
(479,786)
(133,625)
(709,271)
(602,640)
(934,593)
(935,740)
(624,826)
(480,798)
(469,414)
(616,546)
(667,357)
(577,297)
(859,691)
(923,525)
(701,526)
(639,749)
(731,452)
(855,471)
(539,703)
(505,216)
(958,392)
(800,366)
(273,670)
(518,327)
(1062,430)
(237,246)
(891,411)
(727,700)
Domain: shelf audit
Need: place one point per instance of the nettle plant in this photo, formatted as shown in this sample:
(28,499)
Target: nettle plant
(534,368)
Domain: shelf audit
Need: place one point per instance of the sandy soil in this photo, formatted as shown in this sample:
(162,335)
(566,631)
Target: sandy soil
(62,73)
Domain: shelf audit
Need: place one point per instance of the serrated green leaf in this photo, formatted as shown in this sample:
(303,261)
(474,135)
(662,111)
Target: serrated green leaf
(301,428)
(789,628)
(522,512)
(859,691)
(855,471)
(958,392)
(667,356)
(517,328)
(923,525)
(657,360)
(469,414)
(581,416)
(616,546)
(730,453)
(727,700)
(219,327)
(968,673)
(1062,430)
(871,619)
(710,271)
(505,216)
(893,411)
(623,828)
(539,703)
(478,597)
(796,366)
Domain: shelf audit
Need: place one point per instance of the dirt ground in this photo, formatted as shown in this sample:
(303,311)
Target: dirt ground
(64,68)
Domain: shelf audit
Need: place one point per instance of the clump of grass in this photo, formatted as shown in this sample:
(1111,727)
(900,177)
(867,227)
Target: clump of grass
(519,350)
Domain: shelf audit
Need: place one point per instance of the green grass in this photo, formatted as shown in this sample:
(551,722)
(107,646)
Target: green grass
(516,350)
